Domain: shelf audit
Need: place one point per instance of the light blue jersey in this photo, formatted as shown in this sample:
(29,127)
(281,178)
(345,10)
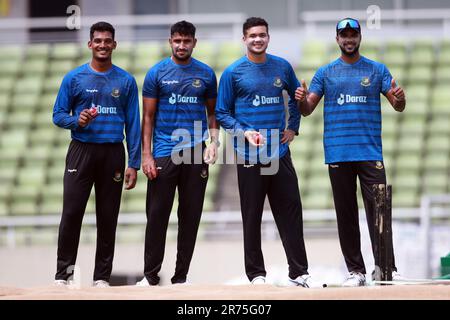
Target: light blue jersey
(115,95)
(182,91)
(251,98)
(352,110)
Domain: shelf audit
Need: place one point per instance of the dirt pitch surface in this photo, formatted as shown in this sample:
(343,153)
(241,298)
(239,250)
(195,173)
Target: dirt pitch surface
(228,292)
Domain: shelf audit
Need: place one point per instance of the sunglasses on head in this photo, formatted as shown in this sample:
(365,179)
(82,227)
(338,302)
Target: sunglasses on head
(348,23)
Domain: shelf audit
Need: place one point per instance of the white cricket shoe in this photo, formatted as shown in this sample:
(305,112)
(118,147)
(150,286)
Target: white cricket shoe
(305,281)
(101,284)
(397,276)
(259,280)
(60,283)
(355,279)
(143,283)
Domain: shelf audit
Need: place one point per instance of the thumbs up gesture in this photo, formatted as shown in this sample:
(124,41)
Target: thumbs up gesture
(396,91)
(301,92)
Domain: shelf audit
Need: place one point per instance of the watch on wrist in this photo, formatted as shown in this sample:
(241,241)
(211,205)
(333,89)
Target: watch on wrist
(216,142)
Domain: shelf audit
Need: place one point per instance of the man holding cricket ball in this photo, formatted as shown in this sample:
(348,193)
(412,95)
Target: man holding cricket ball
(96,102)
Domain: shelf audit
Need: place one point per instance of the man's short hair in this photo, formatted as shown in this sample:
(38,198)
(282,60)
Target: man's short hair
(254,22)
(102,26)
(183,28)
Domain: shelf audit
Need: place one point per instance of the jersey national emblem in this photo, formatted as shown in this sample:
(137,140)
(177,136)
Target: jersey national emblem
(117,176)
(115,93)
(365,82)
(278,83)
(196,83)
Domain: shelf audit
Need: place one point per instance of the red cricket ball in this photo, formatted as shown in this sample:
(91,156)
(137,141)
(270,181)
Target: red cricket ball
(93,111)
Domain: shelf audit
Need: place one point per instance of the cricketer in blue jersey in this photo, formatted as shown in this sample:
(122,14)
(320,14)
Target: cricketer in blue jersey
(351,86)
(97,101)
(179,96)
(250,104)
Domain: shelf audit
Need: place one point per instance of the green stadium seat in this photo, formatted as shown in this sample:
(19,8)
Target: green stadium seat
(412,143)
(438,142)
(436,161)
(6,84)
(444,56)
(389,124)
(420,75)
(24,200)
(435,183)
(51,86)
(412,124)
(205,51)
(440,98)
(228,53)
(61,67)
(439,124)
(317,200)
(9,67)
(35,67)
(5,100)
(405,198)
(416,107)
(20,118)
(123,62)
(408,163)
(395,58)
(11,52)
(417,92)
(39,51)
(13,139)
(389,143)
(407,181)
(442,74)
(68,51)
(52,199)
(422,56)
(123,50)
(33,175)
(24,102)
(29,84)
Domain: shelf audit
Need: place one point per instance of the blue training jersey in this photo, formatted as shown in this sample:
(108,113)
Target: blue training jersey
(251,98)
(115,95)
(182,91)
(352,110)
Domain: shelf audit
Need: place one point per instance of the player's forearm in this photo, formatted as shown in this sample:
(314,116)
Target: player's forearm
(147,135)
(65,120)
(399,105)
(213,126)
(304,107)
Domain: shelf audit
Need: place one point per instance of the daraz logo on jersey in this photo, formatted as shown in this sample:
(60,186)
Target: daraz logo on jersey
(104,110)
(347,98)
(179,98)
(265,100)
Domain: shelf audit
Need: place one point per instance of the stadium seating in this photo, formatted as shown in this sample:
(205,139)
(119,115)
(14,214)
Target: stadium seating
(32,150)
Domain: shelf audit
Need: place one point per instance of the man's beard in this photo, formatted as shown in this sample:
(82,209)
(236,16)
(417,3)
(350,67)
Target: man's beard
(345,53)
(186,57)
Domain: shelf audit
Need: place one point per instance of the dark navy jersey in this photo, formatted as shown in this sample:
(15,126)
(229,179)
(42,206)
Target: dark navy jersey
(182,91)
(352,111)
(251,98)
(115,95)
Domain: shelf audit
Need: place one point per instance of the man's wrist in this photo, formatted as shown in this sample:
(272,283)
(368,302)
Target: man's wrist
(216,141)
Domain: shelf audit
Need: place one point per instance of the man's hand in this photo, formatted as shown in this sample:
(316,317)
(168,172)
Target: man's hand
(301,92)
(130,178)
(211,152)
(85,117)
(397,92)
(254,137)
(288,136)
(149,167)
